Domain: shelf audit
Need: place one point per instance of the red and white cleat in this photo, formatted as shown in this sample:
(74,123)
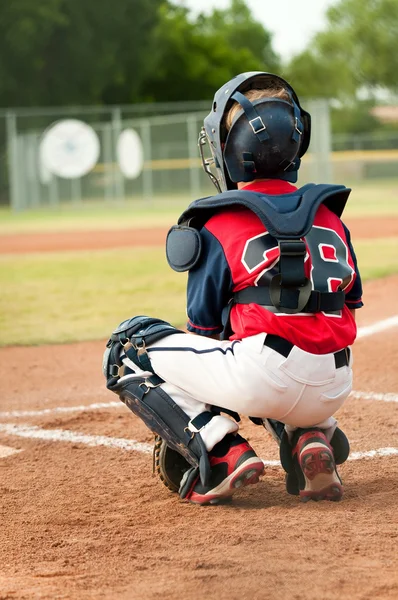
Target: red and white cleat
(316,468)
(234,464)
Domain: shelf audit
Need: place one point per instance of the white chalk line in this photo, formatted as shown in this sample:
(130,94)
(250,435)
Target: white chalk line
(64,435)
(362,332)
(7,451)
(375,396)
(60,410)
(377,327)
(61,435)
(15,414)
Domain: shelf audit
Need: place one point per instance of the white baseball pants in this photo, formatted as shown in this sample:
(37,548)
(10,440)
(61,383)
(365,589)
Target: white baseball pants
(302,390)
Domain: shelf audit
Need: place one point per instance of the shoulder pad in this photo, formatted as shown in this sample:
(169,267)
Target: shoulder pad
(183,247)
(280,221)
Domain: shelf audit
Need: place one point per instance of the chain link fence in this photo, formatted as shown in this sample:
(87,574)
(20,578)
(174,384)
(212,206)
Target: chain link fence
(171,169)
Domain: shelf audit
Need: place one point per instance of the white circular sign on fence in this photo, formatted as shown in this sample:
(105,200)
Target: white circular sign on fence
(70,148)
(130,153)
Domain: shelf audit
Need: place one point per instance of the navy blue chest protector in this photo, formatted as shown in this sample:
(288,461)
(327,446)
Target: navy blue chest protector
(288,218)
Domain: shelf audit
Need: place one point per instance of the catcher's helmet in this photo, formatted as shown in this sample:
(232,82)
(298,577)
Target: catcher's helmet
(267,138)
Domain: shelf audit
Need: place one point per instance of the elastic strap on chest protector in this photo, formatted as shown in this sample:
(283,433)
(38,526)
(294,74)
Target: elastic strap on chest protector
(290,289)
(317,302)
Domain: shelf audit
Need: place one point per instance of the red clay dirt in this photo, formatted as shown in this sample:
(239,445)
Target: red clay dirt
(99,240)
(80,522)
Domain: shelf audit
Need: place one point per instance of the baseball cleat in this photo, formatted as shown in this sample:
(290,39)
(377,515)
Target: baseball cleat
(234,464)
(341,451)
(316,468)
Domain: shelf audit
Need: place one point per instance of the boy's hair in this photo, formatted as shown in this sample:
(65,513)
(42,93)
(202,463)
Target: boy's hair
(256,94)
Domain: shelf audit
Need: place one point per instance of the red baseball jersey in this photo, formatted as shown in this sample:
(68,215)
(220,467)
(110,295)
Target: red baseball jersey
(239,252)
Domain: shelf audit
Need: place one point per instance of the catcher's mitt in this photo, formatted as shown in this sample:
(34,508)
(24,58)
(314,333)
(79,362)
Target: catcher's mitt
(168,464)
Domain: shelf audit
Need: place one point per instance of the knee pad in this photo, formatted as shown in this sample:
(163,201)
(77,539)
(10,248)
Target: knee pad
(134,335)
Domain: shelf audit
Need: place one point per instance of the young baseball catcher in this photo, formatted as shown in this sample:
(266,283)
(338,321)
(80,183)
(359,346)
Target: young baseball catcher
(272,291)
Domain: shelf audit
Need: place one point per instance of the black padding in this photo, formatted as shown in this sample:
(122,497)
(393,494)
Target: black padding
(134,335)
(142,329)
(340,445)
(183,247)
(285,454)
(189,478)
(280,223)
(165,418)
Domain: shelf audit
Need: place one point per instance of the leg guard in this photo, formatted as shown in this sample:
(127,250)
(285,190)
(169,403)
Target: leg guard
(147,400)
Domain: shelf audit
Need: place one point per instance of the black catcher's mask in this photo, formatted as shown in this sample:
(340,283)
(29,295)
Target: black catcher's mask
(267,138)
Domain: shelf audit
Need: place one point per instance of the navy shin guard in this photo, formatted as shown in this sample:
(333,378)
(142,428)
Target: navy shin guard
(146,399)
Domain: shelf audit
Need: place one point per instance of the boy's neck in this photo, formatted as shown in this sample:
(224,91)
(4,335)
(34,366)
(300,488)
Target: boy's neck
(242,184)
(269,186)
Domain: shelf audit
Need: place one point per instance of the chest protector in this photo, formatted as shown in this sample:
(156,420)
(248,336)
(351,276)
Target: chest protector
(288,218)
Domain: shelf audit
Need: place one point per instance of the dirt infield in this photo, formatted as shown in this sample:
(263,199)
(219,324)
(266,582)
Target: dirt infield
(82,520)
(99,240)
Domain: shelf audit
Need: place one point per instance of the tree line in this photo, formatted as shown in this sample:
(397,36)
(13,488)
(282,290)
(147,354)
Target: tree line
(64,52)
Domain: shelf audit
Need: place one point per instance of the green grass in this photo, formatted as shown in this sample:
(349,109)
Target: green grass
(377,258)
(370,198)
(65,297)
(91,216)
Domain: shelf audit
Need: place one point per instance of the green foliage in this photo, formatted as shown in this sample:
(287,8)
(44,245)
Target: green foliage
(58,52)
(355,54)
(315,76)
(365,36)
(63,52)
(196,56)
(354,118)
(357,50)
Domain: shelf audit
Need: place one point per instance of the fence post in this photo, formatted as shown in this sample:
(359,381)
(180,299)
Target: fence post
(147,178)
(117,130)
(193,135)
(12,159)
(321,142)
(107,161)
(31,169)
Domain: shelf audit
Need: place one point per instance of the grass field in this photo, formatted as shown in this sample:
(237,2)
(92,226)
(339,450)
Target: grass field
(64,297)
(90,216)
(71,296)
(367,199)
